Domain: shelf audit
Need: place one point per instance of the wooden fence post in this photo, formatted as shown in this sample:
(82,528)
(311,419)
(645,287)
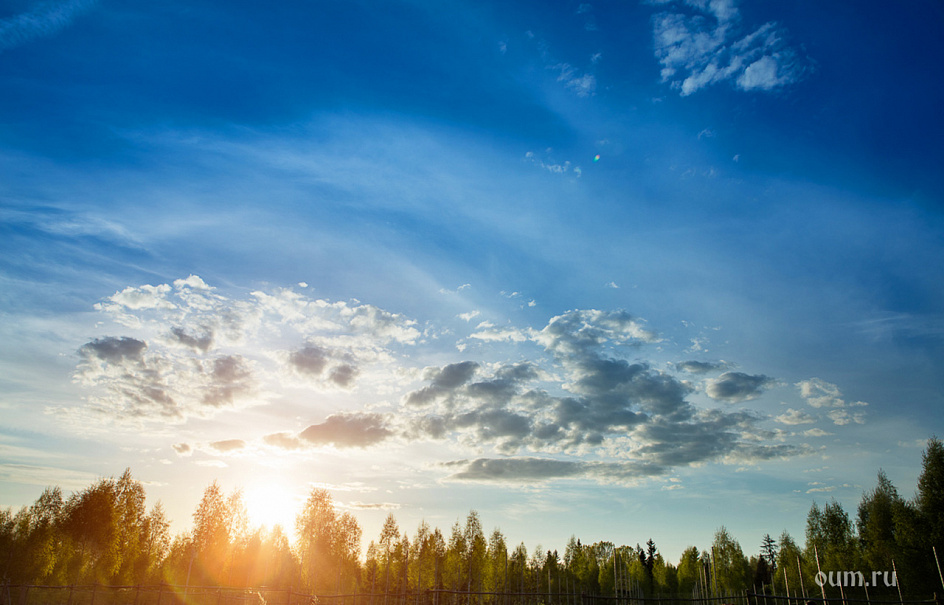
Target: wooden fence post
(897,583)
(938,563)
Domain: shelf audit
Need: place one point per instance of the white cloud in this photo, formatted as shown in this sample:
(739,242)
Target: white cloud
(193,281)
(821,394)
(574,392)
(493,334)
(552,166)
(198,352)
(792,416)
(143,297)
(843,417)
(705,45)
(584,85)
(456,291)
(764,74)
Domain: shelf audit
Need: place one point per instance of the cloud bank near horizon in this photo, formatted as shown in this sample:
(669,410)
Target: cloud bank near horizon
(572,407)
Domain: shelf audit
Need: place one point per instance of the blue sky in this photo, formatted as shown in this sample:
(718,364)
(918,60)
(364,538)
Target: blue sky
(619,270)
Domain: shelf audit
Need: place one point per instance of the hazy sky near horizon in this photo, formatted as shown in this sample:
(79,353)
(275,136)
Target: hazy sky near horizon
(617,270)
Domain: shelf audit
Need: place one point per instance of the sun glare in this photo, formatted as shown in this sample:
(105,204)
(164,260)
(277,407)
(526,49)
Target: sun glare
(271,504)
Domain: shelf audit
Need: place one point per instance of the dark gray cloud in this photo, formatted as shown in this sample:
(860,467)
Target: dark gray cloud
(201,343)
(347,430)
(138,384)
(230,378)
(615,383)
(489,410)
(531,470)
(454,375)
(710,435)
(702,367)
(309,360)
(134,384)
(508,429)
(343,375)
(331,367)
(442,382)
(613,406)
(114,350)
(734,387)
(522,469)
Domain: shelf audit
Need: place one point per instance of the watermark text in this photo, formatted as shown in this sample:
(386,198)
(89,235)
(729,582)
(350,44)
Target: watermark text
(848,579)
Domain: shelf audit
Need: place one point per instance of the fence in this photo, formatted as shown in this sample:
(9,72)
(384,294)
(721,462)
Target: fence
(169,594)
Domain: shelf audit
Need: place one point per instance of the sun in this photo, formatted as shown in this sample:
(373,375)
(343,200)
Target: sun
(271,503)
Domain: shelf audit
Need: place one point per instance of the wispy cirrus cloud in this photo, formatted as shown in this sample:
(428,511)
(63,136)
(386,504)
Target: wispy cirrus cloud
(42,20)
(703,43)
(583,84)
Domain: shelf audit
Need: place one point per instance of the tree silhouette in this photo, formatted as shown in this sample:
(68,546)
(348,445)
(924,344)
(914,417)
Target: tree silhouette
(104,534)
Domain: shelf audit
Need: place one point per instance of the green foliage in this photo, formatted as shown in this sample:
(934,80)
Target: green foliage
(789,567)
(830,540)
(730,567)
(930,497)
(876,524)
(105,534)
(329,543)
(689,571)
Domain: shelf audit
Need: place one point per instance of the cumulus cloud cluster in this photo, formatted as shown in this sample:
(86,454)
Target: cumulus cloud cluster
(340,430)
(700,43)
(824,395)
(633,418)
(195,351)
(582,403)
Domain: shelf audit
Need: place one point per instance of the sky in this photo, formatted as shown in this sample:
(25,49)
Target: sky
(613,270)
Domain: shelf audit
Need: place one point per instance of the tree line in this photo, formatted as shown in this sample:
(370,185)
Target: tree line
(104,534)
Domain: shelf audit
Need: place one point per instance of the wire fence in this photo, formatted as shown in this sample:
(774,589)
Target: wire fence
(170,594)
